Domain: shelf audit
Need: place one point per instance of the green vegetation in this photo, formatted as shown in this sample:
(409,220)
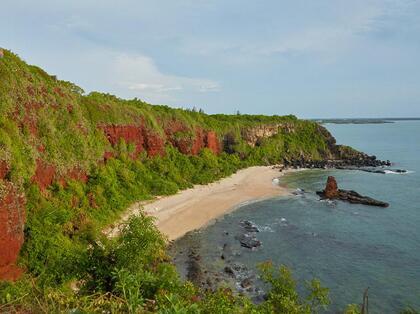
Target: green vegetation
(132,274)
(70,265)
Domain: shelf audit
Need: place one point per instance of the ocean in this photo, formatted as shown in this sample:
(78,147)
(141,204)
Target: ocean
(348,247)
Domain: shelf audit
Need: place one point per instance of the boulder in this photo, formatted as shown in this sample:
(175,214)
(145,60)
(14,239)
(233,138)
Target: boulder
(249,241)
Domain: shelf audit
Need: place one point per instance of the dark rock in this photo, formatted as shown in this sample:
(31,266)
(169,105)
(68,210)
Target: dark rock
(239,267)
(228,270)
(332,192)
(343,159)
(246,283)
(249,226)
(249,241)
(194,271)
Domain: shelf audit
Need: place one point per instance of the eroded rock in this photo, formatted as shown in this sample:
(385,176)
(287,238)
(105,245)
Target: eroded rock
(332,192)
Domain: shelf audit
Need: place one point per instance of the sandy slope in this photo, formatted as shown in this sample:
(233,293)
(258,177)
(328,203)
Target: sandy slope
(193,208)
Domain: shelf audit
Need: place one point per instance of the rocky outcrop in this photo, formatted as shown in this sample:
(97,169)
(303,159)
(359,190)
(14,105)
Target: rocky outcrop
(354,161)
(12,220)
(253,135)
(332,192)
(331,189)
(248,239)
(154,144)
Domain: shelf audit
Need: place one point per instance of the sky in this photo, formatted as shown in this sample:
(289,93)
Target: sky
(314,59)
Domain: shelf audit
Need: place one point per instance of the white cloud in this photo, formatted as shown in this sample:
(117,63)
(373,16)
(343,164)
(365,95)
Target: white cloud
(139,73)
(152,87)
(209,87)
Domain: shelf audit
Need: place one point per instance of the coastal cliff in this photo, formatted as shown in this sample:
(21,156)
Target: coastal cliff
(70,162)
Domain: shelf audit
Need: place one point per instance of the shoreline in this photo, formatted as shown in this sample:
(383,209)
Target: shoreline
(194,208)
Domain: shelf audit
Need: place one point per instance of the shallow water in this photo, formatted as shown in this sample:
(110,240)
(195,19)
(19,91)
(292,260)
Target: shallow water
(348,247)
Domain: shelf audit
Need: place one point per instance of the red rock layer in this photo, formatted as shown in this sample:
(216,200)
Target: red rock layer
(171,129)
(154,144)
(12,220)
(130,133)
(143,139)
(199,142)
(44,174)
(212,142)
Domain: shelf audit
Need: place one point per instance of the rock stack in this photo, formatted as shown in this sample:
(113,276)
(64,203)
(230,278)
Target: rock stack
(332,192)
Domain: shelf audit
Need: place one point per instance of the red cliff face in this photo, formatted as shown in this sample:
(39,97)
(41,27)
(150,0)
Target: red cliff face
(199,142)
(154,143)
(212,142)
(44,174)
(137,135)
(12,220)
(171,129)
(131,134)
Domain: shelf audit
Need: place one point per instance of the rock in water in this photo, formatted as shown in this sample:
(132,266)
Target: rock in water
(249,242)
(332,192)
(249,226)
(331,189)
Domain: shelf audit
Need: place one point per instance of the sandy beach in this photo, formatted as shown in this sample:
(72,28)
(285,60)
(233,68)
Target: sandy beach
(194,208)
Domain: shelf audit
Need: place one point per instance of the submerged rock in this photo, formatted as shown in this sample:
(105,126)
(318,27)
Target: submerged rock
(385,171)
(249,226)
(249,241)
(246,283)
(331,192)
(194,269)
(298,192)
(228,270)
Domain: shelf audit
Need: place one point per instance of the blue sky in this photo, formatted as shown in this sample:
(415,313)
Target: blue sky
(310,58)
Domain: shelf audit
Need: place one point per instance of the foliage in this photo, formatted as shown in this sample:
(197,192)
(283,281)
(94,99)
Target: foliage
(283,297)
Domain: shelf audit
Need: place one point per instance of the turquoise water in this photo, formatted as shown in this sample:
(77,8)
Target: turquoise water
(348,247)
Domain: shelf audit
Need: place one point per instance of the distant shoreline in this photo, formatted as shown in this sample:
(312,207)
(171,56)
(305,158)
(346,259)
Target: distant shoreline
(194,208)
(363,120)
